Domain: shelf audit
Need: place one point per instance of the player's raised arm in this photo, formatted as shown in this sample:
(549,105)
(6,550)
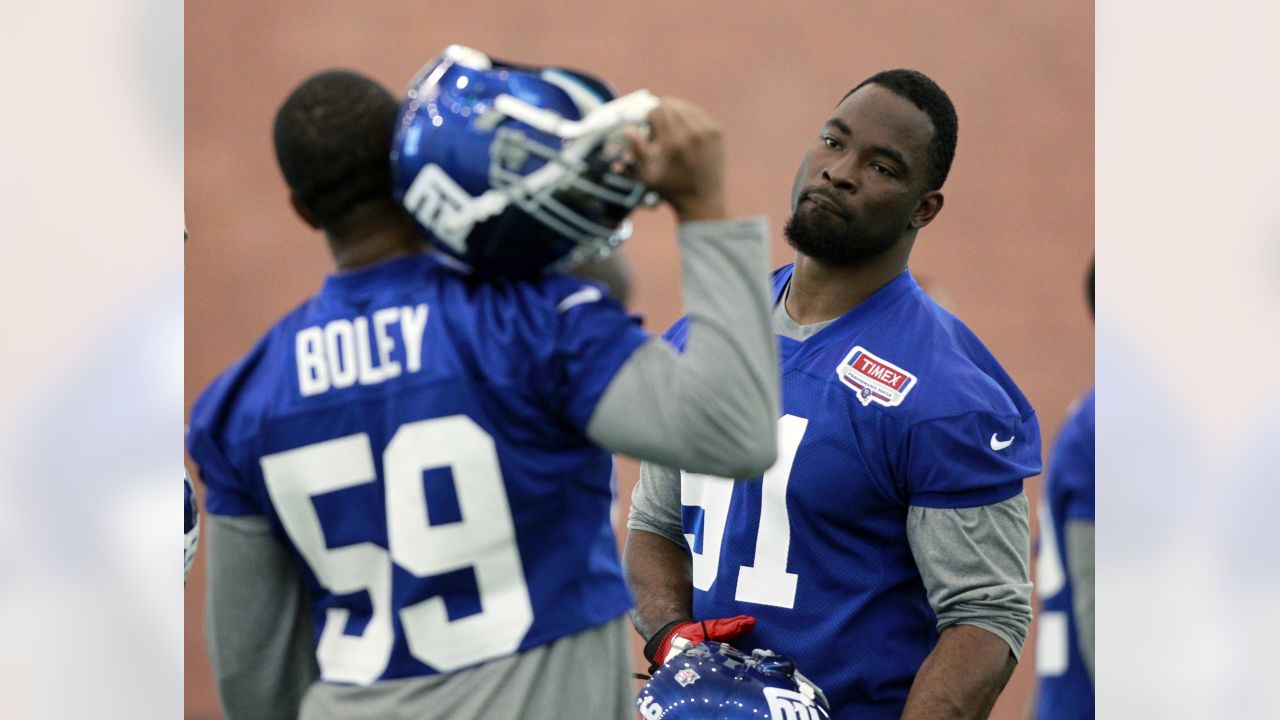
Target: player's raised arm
(712,409)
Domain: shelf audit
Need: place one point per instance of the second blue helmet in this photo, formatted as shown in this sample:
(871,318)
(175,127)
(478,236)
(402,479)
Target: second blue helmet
(715,681)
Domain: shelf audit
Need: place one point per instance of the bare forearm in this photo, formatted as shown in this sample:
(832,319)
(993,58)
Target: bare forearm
(658,572)
(962,677)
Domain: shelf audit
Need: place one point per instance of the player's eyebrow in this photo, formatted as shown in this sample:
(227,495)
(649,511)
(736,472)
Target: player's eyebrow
(894,156)
(840,125)
(883,150)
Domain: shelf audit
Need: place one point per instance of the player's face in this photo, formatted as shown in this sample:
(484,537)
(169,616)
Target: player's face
(860,186)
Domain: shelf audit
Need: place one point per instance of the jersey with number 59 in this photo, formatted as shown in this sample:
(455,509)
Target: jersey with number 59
(895,404)
(418,439)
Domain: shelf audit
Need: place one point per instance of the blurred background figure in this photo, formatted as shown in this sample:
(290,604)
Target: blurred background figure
(1065,567)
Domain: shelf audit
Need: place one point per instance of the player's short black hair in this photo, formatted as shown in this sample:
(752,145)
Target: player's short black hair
(333,143)
(932,100)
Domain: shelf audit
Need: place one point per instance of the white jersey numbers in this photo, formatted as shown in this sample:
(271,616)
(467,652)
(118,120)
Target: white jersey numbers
(292,479)
(766,581)
(484,540)
(712,494)
(1052,641)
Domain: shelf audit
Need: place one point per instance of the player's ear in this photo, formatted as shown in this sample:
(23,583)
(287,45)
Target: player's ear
(302,212)
(927,209)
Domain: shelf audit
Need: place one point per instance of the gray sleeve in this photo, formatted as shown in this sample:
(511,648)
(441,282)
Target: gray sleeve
(260,645)
(976,566)
(655,503)
(1079,539)
(714,408)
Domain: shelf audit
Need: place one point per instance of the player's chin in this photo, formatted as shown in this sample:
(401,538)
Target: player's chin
(816,228)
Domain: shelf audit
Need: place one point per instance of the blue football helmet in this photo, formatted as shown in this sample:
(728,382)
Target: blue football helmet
(714,681)
(514,171)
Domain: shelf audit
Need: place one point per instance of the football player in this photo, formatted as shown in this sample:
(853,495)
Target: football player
(893,525)
(409,478)
(1064,573)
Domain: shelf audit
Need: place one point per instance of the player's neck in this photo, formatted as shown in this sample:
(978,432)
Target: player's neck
(373,241)
(821,292)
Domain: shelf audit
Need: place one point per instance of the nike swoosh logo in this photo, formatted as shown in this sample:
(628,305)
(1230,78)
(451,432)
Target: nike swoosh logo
(1000,444)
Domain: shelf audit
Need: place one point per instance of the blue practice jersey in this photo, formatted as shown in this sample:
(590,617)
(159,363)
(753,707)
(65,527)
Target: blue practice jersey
(894,404)
(1066,692)
(419,440)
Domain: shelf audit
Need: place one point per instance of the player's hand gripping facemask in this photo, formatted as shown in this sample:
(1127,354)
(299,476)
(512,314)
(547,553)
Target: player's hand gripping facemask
(513,171)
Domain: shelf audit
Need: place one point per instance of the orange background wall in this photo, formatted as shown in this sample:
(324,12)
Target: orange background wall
(1007,254)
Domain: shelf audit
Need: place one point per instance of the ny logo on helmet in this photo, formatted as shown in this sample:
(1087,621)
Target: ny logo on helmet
(440,204)
(790,705)
(649,708)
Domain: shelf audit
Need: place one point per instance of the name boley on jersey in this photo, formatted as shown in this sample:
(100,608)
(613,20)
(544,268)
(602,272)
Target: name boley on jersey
(345,352)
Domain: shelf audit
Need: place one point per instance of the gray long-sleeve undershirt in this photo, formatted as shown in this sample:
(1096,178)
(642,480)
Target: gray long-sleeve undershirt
(1079,540)
(975,562)
(259,630)
(976,566)
(712,409)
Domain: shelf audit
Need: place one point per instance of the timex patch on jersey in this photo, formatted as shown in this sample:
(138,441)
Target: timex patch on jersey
(874,379)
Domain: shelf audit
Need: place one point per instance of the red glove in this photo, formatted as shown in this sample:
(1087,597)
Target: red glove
(658,650)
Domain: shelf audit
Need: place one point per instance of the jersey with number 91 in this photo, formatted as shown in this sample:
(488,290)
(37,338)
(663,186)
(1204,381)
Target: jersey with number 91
(419,440)
(894,404)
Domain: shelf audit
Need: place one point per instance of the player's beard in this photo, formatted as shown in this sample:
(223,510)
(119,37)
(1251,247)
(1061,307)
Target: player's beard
(834,240)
